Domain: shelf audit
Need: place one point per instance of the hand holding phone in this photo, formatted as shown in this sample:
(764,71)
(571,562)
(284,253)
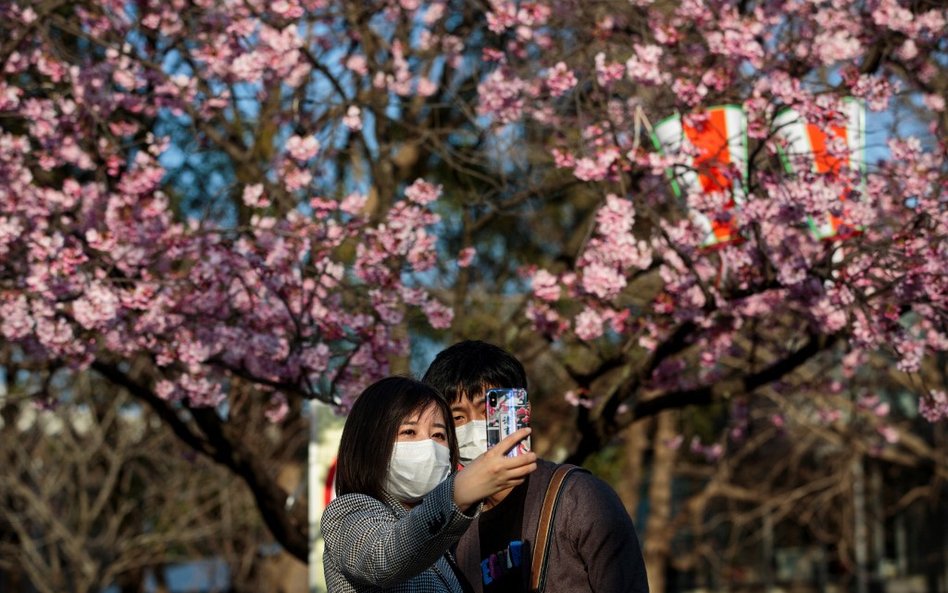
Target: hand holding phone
(494,471)
(508,410)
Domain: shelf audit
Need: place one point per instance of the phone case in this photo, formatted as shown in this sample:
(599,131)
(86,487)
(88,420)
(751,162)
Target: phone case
(508,410)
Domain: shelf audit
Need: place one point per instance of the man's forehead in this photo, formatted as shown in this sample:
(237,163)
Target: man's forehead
(465,396)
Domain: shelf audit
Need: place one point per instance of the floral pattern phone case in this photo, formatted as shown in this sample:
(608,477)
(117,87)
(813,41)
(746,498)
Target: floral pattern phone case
(508,410)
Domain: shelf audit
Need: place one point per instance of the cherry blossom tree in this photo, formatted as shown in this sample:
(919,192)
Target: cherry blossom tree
(200,193)
(110,262)
(643,291)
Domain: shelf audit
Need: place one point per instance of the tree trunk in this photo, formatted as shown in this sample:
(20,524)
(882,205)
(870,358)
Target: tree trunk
(657,530)
(630,484)
(860,533)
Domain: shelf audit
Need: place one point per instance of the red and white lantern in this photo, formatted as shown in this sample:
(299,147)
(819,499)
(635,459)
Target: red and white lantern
(716,141)
(808,143)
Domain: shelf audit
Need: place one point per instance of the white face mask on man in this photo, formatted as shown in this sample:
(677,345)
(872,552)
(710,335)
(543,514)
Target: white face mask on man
(416,468)
(472,440)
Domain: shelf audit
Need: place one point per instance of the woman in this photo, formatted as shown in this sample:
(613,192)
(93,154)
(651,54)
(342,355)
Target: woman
(400,508)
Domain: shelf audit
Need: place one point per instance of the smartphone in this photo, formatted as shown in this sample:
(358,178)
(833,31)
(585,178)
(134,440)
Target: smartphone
(508,410)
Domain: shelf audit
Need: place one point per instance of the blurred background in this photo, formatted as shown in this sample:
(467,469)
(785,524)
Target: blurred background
(787,505)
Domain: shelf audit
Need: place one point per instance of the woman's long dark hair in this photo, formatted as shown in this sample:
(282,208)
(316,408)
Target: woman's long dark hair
(372,427)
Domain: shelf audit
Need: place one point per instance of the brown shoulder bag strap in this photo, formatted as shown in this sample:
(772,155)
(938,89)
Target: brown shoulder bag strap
(543,539)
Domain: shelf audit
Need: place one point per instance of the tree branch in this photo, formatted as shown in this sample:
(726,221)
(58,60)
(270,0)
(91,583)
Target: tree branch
(219,442)
(597,433)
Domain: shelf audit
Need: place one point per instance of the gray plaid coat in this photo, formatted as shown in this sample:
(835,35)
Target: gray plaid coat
(374,545)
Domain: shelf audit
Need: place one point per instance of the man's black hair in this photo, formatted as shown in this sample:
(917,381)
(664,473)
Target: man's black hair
(470,367)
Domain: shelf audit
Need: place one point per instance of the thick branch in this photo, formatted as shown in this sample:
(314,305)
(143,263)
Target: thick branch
(596,434)
(724,389)
(219,442)
(285,526)
(167,414)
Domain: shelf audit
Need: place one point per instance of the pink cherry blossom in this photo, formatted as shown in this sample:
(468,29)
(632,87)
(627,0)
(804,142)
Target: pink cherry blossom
(277,409)
(501,96)
(545,320)
(17,322)
(577,399)
(934,406)
(439,315)
(421,192)
(545,286)
(934,102)
(426,87)
(253,196)
(560,79)
(607,72)
(675,442)
(302,149)
(353,118)
(602,281)
(645,65)
(358,64)
(889,434)
(890,14)
(466,257)
(589,325)
(353,203)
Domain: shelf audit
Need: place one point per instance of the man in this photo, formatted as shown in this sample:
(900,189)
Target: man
(594,546)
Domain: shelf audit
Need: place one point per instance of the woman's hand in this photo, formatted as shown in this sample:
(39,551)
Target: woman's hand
(493,472)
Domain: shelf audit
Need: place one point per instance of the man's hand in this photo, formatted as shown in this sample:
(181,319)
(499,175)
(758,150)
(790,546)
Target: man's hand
(493,472)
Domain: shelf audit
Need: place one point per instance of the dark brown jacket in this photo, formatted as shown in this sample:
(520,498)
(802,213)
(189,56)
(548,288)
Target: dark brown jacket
(595,548)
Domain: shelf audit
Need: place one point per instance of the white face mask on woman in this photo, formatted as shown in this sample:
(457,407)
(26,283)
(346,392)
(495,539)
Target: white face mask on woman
(472,440)
(416,468)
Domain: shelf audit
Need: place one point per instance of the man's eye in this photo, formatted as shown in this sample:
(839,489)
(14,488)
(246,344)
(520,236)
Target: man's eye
(459,417)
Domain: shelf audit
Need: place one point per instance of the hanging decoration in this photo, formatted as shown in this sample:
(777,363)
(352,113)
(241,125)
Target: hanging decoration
(716,140)
(808,144)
